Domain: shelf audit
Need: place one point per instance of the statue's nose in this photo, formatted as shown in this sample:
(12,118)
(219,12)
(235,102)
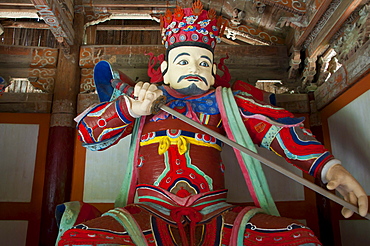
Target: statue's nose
(193,69)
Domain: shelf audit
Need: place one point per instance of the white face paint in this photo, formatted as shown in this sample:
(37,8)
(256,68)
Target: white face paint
(189,70)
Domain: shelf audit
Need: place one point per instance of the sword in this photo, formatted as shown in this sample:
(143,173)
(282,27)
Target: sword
(159,105)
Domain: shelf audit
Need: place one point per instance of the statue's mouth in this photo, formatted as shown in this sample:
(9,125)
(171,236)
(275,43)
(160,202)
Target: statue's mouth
(194,78)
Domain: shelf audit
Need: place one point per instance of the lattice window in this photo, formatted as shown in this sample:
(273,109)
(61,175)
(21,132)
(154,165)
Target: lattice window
(21,85)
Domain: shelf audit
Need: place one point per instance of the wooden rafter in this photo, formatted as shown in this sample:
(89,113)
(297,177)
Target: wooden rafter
(56,17)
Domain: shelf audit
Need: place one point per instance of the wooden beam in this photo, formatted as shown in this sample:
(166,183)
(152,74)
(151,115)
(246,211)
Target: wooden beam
(18,3)
(24,24)
(26,102)
(27,57)
(134,4)
(228,41)
(18,13)
(136,12)
(250,40)
(127,28)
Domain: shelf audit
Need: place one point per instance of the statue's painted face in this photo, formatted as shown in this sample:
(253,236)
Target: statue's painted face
(189,70)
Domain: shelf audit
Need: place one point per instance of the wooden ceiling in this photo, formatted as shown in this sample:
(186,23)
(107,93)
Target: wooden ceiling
(304,27)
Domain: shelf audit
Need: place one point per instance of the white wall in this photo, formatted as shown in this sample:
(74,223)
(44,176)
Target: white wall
(17,163)
(349,130)
(104,172)
(13,232)
(18,146)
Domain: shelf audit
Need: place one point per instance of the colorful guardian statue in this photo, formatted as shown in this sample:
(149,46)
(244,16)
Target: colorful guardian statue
(176,170)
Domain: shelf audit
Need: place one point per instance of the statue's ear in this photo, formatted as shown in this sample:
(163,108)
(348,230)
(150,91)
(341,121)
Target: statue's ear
(164,66)
(214,70)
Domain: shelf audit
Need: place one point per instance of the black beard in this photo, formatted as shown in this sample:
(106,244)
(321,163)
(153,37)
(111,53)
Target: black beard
(191,90)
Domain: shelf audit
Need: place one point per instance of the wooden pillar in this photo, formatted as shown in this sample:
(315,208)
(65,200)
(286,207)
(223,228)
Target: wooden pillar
(59,163)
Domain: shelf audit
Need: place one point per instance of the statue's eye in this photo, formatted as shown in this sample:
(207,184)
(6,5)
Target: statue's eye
(183,62)
(204,64)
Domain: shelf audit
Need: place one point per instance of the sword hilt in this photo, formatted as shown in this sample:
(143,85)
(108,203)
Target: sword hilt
(157,104)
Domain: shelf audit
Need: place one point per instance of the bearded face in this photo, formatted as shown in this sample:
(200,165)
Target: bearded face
(190,70)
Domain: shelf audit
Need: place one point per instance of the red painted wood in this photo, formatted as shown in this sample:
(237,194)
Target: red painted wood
(58,176)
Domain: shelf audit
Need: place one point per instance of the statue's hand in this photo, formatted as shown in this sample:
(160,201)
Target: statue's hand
(145,94)
(341,180)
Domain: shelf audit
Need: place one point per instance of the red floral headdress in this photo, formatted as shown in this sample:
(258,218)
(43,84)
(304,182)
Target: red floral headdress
(194,25)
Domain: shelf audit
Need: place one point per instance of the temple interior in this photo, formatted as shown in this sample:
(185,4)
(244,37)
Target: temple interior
(314,55)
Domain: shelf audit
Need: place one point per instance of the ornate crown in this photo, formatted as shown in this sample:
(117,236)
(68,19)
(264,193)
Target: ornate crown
(194,26)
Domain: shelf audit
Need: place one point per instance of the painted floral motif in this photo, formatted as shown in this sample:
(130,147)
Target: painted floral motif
(182,24)
(202,31)
(44,57)
(204,23)
(172,25)
(189,29)
(87,81)
(191,19)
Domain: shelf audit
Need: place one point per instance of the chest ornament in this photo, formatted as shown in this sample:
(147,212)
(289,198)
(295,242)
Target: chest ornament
(180,138)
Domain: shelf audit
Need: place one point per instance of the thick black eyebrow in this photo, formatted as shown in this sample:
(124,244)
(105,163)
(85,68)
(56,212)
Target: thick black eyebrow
(206,57)
(181,54)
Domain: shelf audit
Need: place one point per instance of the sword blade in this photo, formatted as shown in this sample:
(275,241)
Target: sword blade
(265,161)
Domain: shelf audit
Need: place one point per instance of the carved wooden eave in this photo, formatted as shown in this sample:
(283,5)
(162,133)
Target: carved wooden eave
(60,19)
(294,62)
(293,6)
(316,38)
(351,44)
(330,22)
(353,34)
(313,14)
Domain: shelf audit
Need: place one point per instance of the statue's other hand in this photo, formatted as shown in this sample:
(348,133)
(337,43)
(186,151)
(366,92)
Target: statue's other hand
(144,96)
(341,180)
